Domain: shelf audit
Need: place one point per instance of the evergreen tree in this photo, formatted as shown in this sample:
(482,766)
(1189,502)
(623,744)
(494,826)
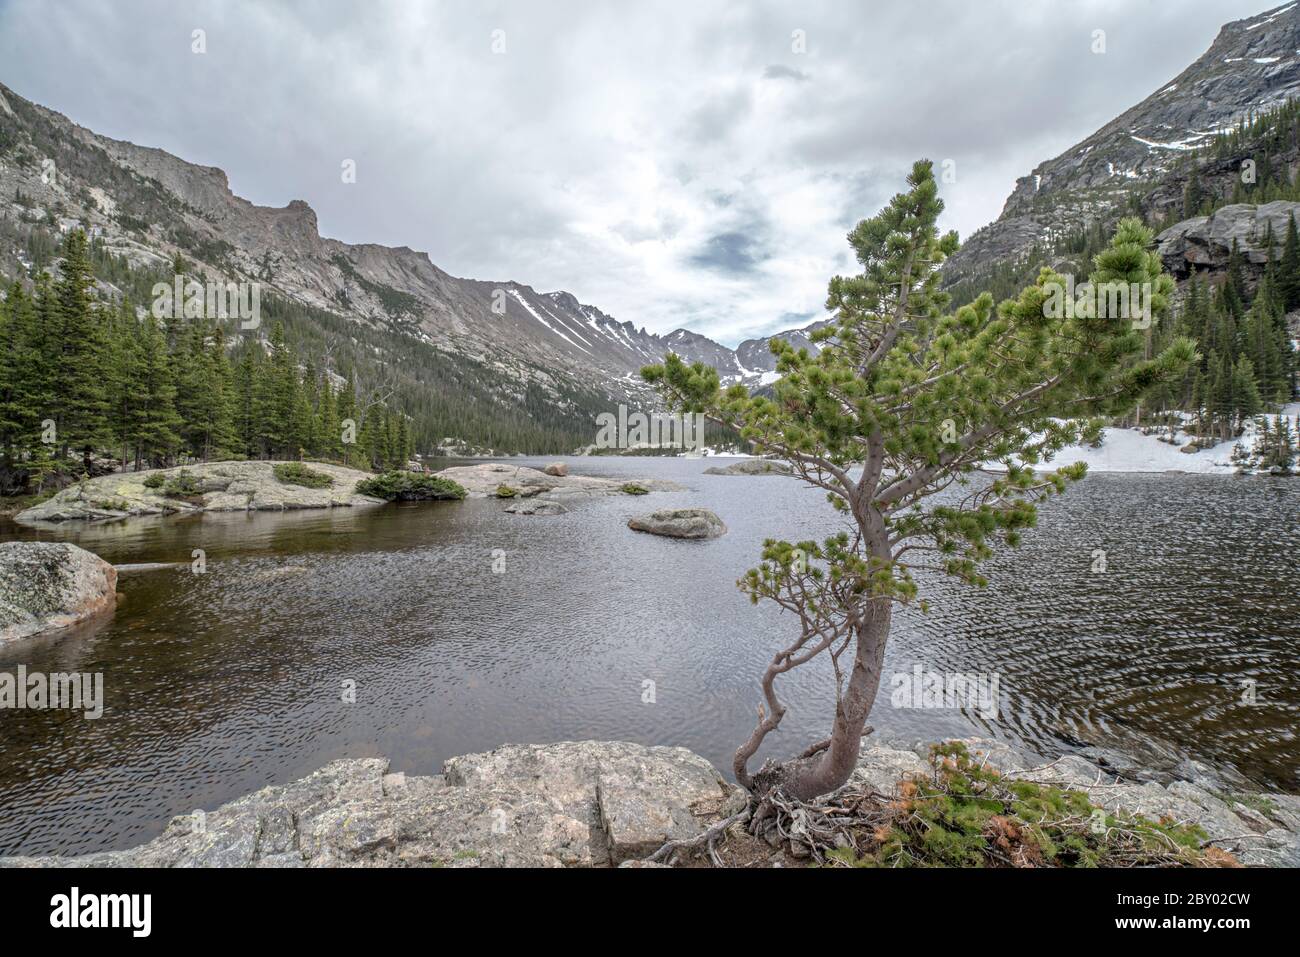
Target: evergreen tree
(154,423)
(903,400)
(79,382)
(1289,268)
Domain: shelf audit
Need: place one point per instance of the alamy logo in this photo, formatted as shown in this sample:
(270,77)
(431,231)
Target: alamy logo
(935,690)
(103,910)
(656,430)
(38,691)
(180,299)
(1107,300)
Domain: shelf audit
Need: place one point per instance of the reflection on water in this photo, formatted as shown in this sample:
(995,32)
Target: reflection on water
(219,684)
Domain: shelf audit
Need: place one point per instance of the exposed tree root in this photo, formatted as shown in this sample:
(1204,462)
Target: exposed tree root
(962,815)
(708,839)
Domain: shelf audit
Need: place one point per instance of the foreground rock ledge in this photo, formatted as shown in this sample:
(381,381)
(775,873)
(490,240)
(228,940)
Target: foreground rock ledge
(603,803)
(574,804)
(50,585)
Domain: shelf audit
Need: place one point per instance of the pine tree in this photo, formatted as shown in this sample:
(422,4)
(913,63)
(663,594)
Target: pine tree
(22,384)
(1245,393)
(247,389)
(79,399)
(903,400)
(155,422)
(327,428)
(347,417)
(1289,267)
(124,364)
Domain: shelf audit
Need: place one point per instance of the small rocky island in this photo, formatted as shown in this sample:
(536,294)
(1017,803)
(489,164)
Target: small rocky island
(207,487)
(754,466)
(679,523)
(280,486)
(553,484)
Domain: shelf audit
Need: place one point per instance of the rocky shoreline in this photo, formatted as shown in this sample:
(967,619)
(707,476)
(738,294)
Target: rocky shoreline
(609,803)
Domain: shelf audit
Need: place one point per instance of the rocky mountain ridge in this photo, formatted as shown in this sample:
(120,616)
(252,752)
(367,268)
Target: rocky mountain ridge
(1252,65)
(192,212)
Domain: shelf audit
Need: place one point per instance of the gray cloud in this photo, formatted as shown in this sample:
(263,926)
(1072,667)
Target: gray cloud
(624,152)
(779,71)
(736,253)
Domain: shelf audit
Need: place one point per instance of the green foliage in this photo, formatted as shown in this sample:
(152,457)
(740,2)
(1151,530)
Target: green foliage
(295,473)
(631,488)
(1274,449)
(967,815)
(505,491)
(154,480)
(410,486)
(920,396)
(181,485)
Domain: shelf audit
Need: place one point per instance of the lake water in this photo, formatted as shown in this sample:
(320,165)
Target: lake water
(222,683)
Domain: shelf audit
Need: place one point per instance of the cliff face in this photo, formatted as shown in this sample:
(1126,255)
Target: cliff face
(1204,243)
(1252,65)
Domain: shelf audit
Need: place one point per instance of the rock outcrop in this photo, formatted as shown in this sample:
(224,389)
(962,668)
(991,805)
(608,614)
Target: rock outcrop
(751,467)
(679,523)
(50,585)
(609,803)
(218,487)
(576,804)
(482,481)
(558,469)
(1205,242)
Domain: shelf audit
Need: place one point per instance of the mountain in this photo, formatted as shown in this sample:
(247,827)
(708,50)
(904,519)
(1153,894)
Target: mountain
(149,207)
(502,364)
(1137,162)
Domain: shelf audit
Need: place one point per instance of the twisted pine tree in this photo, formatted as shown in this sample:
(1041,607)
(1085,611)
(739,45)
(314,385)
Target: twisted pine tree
(905,400)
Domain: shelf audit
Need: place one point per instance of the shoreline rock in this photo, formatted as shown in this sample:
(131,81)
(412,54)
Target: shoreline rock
(46,586)
(221,487)
(603,804)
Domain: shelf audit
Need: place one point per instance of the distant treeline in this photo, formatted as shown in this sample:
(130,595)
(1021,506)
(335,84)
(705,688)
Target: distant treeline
(80,378)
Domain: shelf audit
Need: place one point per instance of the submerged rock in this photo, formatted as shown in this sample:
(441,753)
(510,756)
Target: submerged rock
(679,523)
(752,467)
(536,507)
(49,585)
(217,487)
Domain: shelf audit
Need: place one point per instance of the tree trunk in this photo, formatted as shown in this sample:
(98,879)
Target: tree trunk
(806,777)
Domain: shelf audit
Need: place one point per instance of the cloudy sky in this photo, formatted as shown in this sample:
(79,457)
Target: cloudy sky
(689,163)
